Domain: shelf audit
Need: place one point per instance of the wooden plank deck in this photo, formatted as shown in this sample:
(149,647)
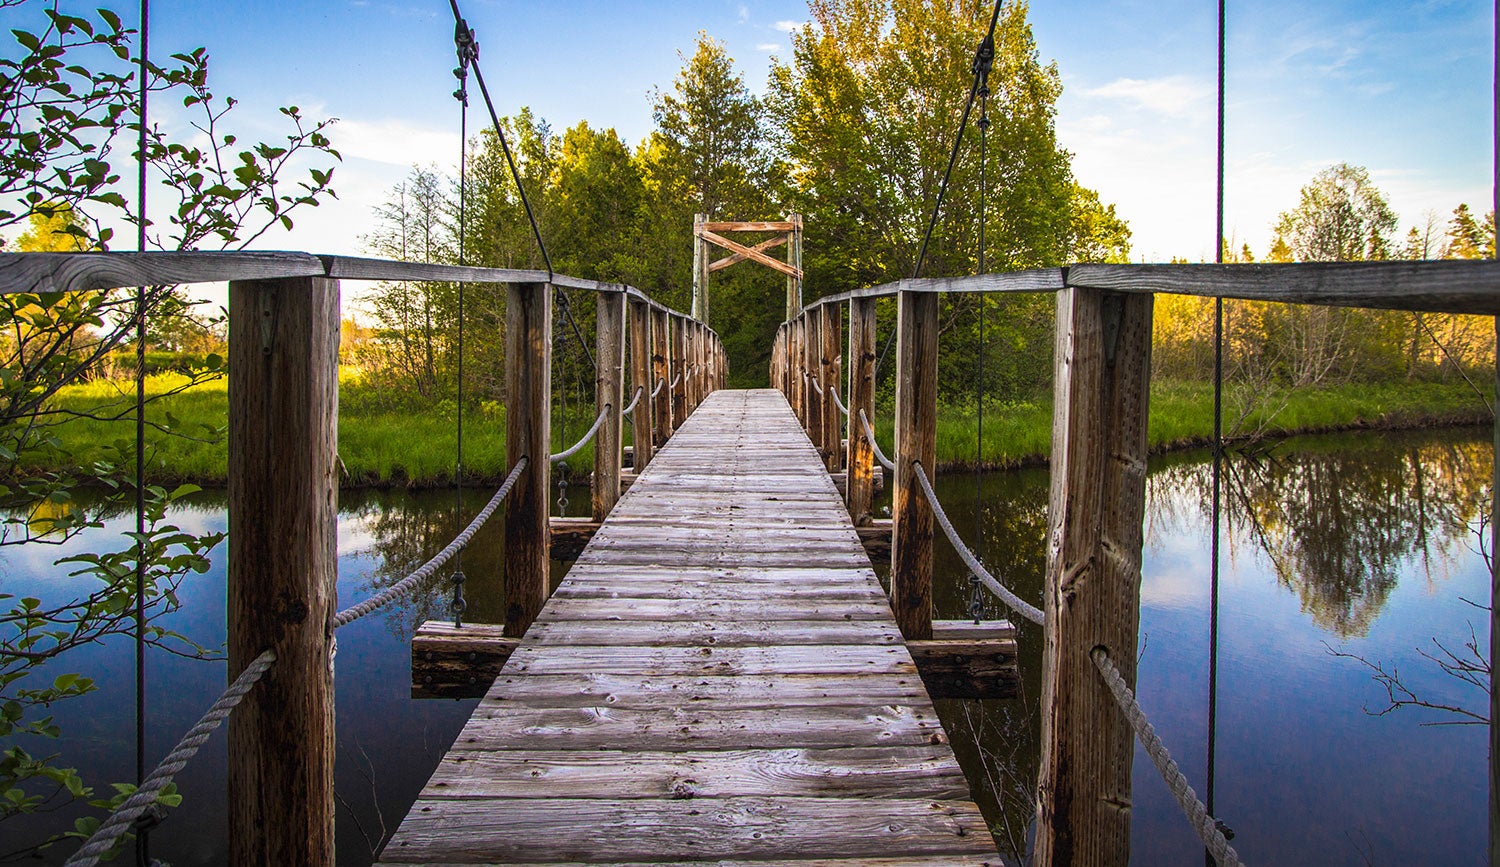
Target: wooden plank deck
(718,679)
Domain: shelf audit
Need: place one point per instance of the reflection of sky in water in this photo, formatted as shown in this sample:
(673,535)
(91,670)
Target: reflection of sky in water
(387,743)
(1304,775)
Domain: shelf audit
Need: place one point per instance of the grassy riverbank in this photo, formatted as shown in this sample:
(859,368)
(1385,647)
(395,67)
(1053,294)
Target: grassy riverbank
(382,445)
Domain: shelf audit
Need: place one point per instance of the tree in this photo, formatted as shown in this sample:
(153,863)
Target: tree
(1341,217)
(710,133)
(1467,238)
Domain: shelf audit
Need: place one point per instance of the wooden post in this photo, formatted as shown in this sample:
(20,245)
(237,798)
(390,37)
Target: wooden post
(283,566)
(528,426)
(794,258)
(916,441)
(831,351)
(794,366)
(609,398)
(640,376)
(861,457)
(661,372)
(1494,840)
(1103,370)
(680,406)
(700,270)
(812,355)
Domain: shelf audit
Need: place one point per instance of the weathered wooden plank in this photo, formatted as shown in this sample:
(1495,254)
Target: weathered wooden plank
(739,633)
(1439,286)
(643,692)
(964,659)
(748,226)
(878,772)
(609,728)
(96,272)
(563,655)
(721,264)
(630,829)
(643,446)
(909,861)
(453,662)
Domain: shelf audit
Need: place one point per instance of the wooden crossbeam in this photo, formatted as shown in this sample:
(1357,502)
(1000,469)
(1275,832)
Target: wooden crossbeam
(733,226)
(749,253)
(740,257)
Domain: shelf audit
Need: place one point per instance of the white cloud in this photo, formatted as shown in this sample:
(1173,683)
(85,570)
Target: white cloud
(394,142)
(744,12)
(787,26)
(768,46)
(1173,95)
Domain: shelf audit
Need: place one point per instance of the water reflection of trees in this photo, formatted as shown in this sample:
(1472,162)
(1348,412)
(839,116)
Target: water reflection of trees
(1338,519)
(405,530)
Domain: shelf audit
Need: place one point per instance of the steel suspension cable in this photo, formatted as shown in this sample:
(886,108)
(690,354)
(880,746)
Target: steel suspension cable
(467,49)
(142,849)
(982,65)
(1218,468)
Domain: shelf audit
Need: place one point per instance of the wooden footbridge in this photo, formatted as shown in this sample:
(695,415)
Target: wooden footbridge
(720,677)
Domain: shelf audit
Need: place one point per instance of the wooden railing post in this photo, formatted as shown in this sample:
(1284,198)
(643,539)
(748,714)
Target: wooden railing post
(661,372)
(1102,369)
(796,385)
(830,352)
(640,376)
(528,425)
(916,441)
(812,363)
(680,406)
(283,565)
(861,457)
(609,398)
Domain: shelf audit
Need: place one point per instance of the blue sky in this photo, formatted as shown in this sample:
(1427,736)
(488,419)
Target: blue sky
(1401,88)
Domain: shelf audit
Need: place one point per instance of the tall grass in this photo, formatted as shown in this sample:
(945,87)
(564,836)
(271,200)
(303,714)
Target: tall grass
(386,441)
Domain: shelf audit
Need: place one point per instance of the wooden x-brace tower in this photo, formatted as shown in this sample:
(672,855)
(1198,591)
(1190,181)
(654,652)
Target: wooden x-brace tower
(789,233)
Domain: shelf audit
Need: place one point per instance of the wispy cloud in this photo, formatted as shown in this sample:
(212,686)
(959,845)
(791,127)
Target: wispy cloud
(787,26)
(394,142)
(1173,95)
(768,46)
(744,12)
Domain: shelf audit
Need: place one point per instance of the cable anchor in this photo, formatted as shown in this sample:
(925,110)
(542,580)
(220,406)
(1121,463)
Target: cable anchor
(458,605)
(467,48)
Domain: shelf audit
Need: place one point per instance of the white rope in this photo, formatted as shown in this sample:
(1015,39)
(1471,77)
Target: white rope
(108,835)
(574,449)
(406,586)
(660,383)
(1019,605)
(676,382)
(1208,829)
(815,384)
(639,390)
(839,403)
(870,436)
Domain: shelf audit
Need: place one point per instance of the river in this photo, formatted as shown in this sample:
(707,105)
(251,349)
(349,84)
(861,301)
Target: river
(1363,544)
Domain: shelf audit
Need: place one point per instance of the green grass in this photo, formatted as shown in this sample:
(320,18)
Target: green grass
(1182,415)
(382,444)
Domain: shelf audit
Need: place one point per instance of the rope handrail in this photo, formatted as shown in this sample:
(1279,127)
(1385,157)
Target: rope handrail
(587,438)
(1019,605)
(1208,829)
(839,403)
(108,834)
(639,390)
(677,381)
(817,386)
(870,436)
(411,582)
(660,384)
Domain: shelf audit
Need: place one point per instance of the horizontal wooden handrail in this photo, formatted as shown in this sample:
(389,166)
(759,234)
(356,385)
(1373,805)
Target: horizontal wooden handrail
(82,272)
(1440,286)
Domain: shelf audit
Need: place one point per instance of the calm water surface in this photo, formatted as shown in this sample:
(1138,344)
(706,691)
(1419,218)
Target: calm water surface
(1363,544)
